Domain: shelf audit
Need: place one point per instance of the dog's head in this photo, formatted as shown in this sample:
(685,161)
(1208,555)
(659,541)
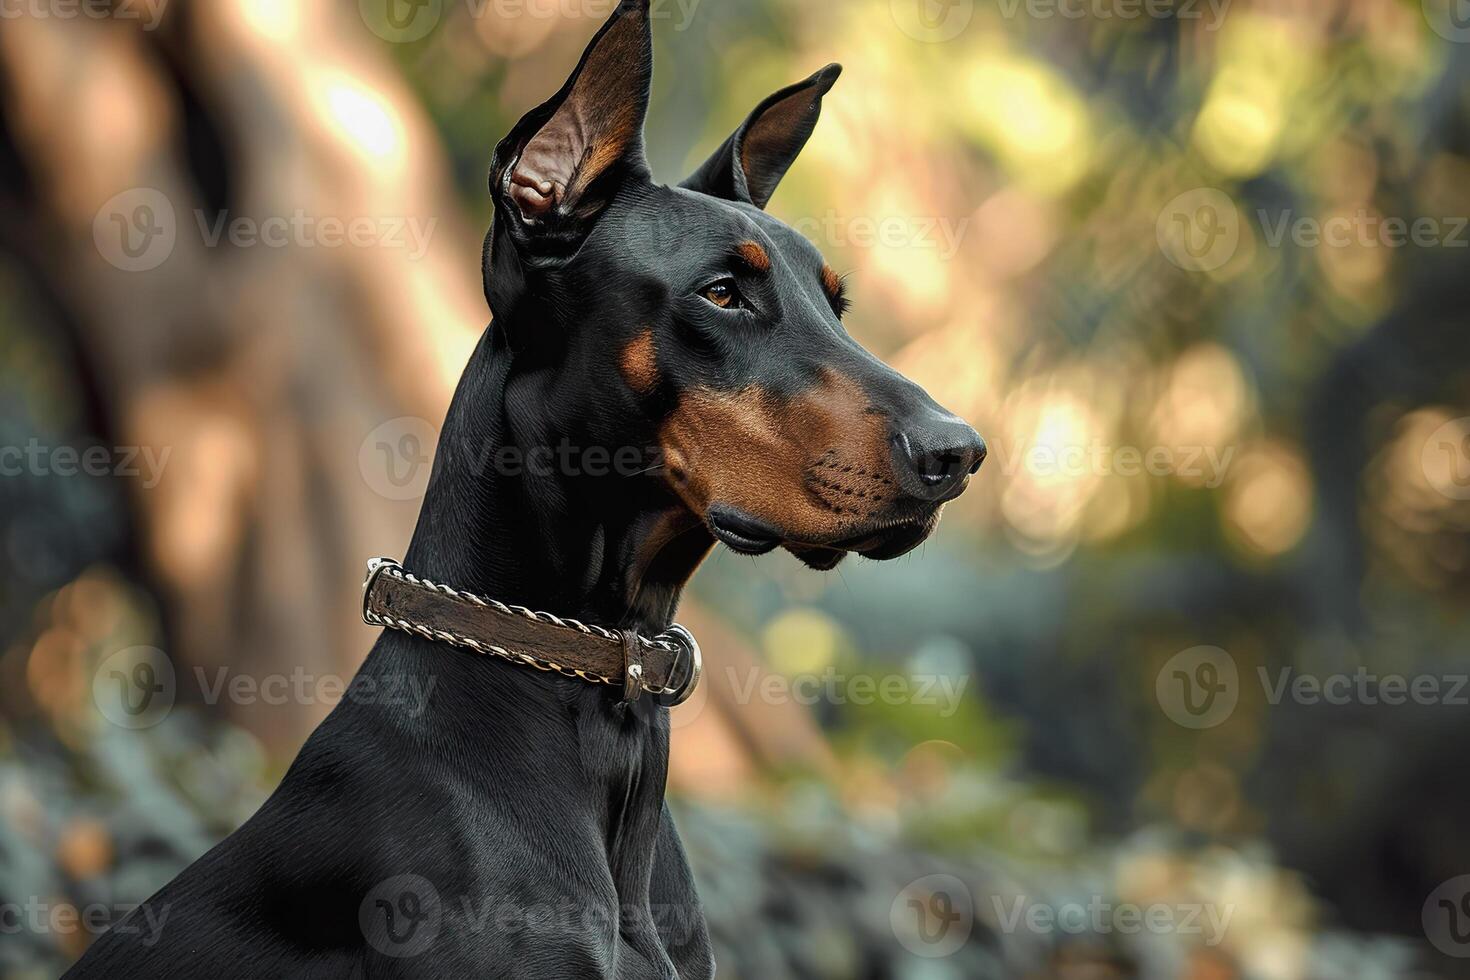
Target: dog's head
(688,319)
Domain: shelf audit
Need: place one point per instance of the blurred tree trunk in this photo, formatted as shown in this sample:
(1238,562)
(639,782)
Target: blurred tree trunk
(258,371)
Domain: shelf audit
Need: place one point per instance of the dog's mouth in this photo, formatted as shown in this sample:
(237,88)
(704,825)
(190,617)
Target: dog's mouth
(748,535)
(741,532)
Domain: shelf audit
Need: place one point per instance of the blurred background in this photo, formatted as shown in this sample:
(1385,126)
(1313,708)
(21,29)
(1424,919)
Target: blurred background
(1179,688)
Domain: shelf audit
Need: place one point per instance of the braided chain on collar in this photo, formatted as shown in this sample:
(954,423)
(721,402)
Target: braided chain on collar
(389,567)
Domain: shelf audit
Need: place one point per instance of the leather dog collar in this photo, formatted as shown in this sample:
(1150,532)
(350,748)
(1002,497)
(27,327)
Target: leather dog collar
(666,667)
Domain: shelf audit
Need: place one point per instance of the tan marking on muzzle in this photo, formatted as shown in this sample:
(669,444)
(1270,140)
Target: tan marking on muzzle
(816,466)
(638,363)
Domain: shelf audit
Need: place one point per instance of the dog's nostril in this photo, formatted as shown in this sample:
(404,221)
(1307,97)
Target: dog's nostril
(935,468)
(941,471)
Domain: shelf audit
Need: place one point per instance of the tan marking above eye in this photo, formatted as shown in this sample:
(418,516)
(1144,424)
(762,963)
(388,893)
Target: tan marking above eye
(831,282)
(638,363)
(754,255)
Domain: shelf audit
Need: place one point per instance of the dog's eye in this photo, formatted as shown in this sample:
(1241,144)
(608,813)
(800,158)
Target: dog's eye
(725,294)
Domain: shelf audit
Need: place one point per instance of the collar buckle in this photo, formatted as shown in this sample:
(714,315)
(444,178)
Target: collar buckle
(375,567)
(689,646)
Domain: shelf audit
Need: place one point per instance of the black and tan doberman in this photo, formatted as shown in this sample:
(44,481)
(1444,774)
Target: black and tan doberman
(666,369)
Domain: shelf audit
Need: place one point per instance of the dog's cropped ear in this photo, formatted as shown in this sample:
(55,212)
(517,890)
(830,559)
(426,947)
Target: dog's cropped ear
(752,162)
(562,164)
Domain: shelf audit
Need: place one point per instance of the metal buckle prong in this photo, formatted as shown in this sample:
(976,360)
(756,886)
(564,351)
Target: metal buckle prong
(633,682)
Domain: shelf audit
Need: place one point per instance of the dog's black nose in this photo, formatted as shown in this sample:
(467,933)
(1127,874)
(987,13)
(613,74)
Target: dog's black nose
(935,457)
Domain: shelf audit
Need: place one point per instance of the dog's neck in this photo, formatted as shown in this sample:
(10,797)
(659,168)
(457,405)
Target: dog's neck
(613,555)
(503,516)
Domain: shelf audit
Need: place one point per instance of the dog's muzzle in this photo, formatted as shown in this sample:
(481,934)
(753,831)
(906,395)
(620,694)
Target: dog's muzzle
(667,667)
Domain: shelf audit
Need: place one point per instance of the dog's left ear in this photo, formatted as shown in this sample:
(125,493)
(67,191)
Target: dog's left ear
(751,163)
(562,164)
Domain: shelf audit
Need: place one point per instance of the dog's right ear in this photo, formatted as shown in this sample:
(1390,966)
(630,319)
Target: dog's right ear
(562,164)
